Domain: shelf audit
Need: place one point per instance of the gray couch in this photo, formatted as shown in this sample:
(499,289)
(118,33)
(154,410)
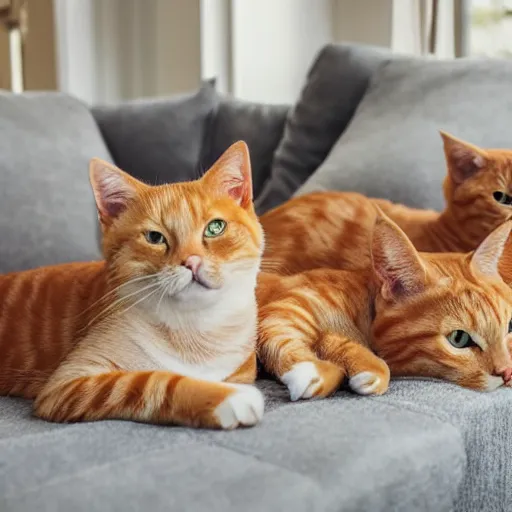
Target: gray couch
(365,121)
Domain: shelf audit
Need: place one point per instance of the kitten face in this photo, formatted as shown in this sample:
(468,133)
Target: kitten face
(186,243)
(478,188)
(446,316)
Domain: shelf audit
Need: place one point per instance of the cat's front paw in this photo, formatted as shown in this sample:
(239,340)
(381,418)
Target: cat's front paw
(312,380)
(242,408)
(369,383)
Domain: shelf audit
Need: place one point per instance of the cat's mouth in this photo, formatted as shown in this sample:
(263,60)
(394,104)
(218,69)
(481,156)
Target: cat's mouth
(201,282)
(199,279)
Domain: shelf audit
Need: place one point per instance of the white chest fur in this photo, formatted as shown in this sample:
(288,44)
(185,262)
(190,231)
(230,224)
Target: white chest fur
(216,369)
(202,334)
(139,345)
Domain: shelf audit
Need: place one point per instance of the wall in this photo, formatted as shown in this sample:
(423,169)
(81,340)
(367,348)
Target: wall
(363,21)
(39,61)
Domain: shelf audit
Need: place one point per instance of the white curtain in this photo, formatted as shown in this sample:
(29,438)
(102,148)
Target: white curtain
(430,27)
(113,50)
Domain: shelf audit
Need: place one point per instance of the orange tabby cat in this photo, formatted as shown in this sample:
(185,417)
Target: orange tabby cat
(441,315)
(164,330)
(331,229)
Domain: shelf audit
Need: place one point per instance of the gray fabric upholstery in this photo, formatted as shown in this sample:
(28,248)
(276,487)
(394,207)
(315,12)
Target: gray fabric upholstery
(260,126)
(484,422)
(424,446)
(344,454)
(159,140)
(47,212)
(392,147)
(335,84)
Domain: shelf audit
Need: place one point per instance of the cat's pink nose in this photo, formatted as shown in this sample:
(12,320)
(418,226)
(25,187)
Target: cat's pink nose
(506,374)
(193,263)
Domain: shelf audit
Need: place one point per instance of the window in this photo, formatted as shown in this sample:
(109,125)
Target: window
(491,28)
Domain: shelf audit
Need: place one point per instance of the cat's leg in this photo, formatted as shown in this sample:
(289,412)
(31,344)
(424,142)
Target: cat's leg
(285,351)
(368,374)
(151,397)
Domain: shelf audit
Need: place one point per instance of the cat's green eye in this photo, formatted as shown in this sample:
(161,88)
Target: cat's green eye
(215,228)
(460,339)
(502,198)
(155,237)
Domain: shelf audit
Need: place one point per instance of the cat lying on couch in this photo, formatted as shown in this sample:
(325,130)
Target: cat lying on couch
(436,315)
(164,330)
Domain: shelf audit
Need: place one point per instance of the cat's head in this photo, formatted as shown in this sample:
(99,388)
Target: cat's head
(443,316)
(478,186)
(188,243)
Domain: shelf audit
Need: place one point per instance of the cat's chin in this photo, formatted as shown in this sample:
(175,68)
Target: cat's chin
(196,292)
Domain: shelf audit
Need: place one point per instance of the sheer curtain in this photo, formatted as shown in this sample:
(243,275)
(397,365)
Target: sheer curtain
(114,50)
(430,27)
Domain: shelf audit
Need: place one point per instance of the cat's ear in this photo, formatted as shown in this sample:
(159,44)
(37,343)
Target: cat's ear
(463,159)
(493,257)
(396,262)
(231,174)
(113,189)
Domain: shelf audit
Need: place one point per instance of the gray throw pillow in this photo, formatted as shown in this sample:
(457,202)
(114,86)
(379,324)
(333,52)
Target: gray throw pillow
(159,140)
(47,211)
(393,149)
(335,85)
(260,126)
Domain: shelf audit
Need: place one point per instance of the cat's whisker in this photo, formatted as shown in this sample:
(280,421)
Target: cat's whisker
(114,304)
(150,294)
(116,289)
(164,285)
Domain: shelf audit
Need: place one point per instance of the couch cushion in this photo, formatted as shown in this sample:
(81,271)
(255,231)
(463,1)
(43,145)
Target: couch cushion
(392,147)
(348,453)
(260,126)
(159,140)
(484,421)
(47,212)
(335,85)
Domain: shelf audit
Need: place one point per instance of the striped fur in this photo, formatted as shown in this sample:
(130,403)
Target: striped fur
(159,332)
(332,229)
(322,326)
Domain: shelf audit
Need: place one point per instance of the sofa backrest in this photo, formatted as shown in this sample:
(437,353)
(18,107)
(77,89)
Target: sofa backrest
(392,147)
(47,211)
(336,83)
(165,140)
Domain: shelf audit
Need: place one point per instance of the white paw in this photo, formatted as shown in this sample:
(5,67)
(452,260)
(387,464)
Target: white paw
(302,381)
(244,407)
(364,383)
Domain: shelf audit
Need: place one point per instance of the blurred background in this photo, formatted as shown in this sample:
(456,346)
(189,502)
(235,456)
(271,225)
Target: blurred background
(105,51)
